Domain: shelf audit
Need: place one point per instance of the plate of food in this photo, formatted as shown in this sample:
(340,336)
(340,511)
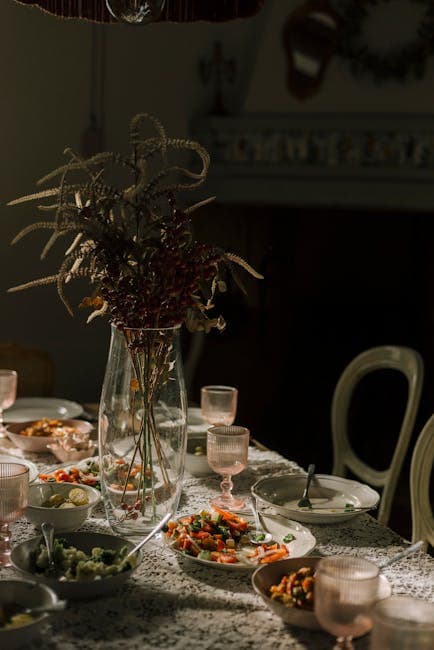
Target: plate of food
(33,470)
(36,435)
(118,474)
(333,498)
(84,472)
(221,539)
(86,564)
(35,408)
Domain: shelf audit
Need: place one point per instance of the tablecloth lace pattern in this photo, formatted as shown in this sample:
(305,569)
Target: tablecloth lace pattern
(177,603)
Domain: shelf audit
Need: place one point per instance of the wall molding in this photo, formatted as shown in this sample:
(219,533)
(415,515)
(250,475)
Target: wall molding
(361,160)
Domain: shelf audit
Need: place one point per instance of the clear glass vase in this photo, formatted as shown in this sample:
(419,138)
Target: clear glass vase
(142,428)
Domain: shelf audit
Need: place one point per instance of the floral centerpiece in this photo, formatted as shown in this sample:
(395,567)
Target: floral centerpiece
(135,244)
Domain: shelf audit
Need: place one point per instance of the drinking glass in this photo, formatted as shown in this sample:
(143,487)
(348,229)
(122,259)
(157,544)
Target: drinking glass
(14,489)
(8,393)
(346,587)
(219,404)
(402,622)
(226,450)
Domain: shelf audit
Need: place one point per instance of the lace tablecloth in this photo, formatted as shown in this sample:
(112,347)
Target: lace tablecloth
(171,602)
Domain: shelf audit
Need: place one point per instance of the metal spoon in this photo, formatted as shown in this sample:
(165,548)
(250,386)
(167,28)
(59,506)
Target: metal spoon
(149,536)
(258,535)
(305,501)
(41,609)
(407,551)
(48,533)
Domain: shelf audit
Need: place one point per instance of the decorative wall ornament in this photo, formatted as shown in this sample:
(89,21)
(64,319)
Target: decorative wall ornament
(179,11)
(384,60)
(219,70)
(310,40)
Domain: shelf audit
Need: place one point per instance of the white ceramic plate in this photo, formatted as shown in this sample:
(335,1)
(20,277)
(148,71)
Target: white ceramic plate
(302,544)
(35,408)
(331,495)
(33,470)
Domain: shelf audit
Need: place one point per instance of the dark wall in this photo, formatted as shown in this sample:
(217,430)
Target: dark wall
(336,283)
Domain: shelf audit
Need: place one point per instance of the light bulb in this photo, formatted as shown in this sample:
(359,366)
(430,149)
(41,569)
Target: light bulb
(135,12)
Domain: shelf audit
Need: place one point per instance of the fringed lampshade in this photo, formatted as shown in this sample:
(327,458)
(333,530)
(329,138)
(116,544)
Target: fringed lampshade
(179,11)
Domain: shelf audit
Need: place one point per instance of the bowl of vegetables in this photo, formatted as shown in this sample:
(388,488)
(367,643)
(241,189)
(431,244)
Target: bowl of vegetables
(287,588)
(86,565)
(18,623)
(64,505)
(36,435)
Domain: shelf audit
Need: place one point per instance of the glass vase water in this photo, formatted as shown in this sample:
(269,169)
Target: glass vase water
(142,428)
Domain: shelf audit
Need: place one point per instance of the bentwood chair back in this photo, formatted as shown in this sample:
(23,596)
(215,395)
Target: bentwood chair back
(404,360)
(420,481)
(35,369)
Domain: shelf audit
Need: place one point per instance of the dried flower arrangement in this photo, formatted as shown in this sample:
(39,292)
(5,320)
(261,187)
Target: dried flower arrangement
(133,243)
(136,246)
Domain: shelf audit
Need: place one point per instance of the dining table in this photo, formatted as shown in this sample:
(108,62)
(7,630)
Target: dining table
(175,602)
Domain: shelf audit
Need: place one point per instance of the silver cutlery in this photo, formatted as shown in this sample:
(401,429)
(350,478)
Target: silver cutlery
(407,551)
(149,536)
(258,535)
(48,533)
(305,501)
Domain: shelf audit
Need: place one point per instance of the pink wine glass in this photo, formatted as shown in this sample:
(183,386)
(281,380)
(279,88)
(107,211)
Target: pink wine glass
(8,393)
(219,404)
(14,490)
(227,451)
(346,588)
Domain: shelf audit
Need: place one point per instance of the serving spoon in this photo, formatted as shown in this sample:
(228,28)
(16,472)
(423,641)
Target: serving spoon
(258,535)
(48,533)
(149,536)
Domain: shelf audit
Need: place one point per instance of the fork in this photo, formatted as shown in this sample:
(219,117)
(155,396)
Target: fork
(305,501)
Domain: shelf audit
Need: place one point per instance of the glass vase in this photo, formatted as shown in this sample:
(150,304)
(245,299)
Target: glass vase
(142,428)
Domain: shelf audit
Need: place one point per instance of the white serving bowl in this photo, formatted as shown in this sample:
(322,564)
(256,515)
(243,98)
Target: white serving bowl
(38,444)
(197,464)
(28,594)
(23,560)
(63,519)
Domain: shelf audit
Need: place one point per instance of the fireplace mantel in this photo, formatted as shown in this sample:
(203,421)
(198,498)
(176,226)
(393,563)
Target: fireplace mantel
(343,160)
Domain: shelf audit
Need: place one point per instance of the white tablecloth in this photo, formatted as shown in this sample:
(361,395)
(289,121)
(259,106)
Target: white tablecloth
(175,603)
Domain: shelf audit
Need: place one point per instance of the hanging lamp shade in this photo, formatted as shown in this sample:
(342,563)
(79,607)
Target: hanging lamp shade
(179,11)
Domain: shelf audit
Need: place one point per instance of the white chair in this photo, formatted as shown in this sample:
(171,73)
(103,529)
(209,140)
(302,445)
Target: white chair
(420,473)
(402,359)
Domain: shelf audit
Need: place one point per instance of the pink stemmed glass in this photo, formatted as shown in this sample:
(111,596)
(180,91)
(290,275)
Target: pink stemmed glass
(14,490)
(346,588)
(219,404)
(8,393)
(227,451)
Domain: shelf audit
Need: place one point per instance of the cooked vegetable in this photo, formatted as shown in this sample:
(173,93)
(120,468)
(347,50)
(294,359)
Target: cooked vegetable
(73,564)
(220,537)
(76,497)
(13,615)
(296,589)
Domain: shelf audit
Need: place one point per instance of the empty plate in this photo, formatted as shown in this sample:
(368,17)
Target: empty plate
(35,408)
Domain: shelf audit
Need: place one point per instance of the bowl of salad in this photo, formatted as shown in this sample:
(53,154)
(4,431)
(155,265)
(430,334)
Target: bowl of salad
(17,626)
(86,565)
(288,589)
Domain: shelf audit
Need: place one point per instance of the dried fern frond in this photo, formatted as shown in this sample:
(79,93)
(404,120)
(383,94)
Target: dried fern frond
(245,265)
